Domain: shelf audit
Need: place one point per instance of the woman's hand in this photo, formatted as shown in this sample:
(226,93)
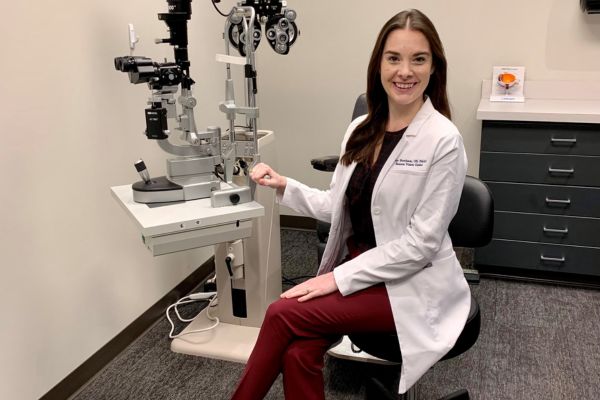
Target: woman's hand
(314,287)
(266,176)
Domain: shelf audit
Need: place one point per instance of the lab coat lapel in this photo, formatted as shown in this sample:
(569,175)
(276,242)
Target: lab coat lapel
(412,130)
(336,231)
(338,209)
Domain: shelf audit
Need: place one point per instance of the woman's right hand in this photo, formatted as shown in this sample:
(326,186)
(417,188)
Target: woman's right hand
(266,176)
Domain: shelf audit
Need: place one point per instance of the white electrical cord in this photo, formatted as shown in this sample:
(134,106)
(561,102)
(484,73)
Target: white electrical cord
(269,239)
(211,297)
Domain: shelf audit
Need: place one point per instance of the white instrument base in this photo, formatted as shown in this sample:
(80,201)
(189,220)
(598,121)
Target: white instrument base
(233,338)
(224,342)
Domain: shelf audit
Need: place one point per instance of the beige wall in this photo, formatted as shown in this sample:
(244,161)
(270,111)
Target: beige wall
(74,272)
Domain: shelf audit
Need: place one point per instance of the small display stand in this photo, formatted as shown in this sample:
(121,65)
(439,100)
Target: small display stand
(508,84)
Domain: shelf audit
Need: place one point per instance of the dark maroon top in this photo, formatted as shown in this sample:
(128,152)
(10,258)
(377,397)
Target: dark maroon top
(360,191)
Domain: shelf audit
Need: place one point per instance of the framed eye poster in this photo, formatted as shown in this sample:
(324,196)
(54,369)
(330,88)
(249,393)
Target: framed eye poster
(507,84)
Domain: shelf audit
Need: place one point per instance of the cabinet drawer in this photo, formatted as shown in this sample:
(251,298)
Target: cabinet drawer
(536,168)
(547,138)
(546,199)
(546,257)
(547,229)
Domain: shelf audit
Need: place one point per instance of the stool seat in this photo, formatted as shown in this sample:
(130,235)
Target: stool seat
(385,345)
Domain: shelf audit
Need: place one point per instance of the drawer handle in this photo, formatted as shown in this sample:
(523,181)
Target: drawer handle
(563,231)
(566,202)
(570,171)
(552,259)
(564,141)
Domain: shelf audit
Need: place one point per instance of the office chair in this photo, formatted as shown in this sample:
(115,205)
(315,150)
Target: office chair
(471,227)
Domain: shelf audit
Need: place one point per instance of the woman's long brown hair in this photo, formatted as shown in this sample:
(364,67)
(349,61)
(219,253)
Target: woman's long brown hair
(362,143)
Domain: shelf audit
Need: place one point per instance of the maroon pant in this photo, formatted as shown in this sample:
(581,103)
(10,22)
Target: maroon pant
(295,336)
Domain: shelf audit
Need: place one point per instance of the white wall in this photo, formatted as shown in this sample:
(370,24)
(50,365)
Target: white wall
(74,272)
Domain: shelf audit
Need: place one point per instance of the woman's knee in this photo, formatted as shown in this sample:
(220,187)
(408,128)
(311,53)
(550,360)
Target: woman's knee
(280,309)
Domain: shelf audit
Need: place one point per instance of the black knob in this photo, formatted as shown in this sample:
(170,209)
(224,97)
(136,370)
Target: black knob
(234,198)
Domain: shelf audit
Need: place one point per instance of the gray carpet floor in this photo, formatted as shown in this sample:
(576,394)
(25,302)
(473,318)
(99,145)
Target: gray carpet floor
(536,342)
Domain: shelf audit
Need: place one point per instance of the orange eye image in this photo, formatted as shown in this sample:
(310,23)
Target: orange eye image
(507,80)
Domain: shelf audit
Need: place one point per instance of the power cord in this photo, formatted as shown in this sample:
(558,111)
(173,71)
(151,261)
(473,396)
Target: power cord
(214,3)
(211,297)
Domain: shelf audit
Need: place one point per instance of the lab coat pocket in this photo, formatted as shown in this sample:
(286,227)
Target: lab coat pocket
(417,174)
(440,278)
(407,176)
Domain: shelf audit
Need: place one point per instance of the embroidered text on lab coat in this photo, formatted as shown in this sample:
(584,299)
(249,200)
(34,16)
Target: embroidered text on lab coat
(404,162)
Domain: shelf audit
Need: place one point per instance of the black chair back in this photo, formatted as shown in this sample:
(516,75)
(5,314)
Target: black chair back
(360,107)
(474,220)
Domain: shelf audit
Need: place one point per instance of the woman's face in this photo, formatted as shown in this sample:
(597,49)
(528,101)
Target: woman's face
(406,66)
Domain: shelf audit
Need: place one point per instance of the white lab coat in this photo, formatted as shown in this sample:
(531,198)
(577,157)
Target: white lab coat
(414,199)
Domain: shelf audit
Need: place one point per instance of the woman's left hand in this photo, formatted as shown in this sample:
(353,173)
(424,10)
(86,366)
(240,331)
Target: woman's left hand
(314,287)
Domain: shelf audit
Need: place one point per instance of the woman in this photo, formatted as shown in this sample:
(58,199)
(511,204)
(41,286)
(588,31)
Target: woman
(389,264)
